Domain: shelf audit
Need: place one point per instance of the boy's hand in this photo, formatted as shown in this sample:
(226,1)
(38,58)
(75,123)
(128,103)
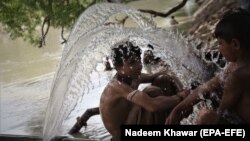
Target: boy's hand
(173,117)
(179,111)
(183,94)
(207,116)
(177,115)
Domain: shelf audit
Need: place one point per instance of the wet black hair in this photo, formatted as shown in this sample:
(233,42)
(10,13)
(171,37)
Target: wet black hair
(235,23)
(123,52)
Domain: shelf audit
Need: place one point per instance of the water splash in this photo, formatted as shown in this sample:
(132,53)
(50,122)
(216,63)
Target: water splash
(90,40)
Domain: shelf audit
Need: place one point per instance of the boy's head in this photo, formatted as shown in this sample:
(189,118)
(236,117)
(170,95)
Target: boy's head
(127,59)
(124,52)
(235,24)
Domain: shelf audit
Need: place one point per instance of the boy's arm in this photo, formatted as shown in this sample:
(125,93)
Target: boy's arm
(151,104)
(185,107)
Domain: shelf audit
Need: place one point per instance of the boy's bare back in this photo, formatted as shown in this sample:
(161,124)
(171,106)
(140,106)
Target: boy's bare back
(114,115)
(237,93)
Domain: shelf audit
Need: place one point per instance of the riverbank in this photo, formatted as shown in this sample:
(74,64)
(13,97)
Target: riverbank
(206,18)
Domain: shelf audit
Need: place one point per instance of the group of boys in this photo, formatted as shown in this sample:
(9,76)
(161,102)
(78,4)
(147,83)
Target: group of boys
(165,101)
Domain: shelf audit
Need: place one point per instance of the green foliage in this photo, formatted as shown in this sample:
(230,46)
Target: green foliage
(24,18)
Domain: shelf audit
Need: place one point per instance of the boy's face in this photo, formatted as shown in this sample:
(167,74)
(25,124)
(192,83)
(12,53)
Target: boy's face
(131,67)
(228,50)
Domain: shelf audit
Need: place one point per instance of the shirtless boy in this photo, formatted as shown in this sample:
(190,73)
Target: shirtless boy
(162,83)
(233,34)
(122,103)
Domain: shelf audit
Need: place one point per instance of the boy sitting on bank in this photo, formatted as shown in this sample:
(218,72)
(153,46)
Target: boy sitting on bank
(233,34)
(162,81)
(122,103)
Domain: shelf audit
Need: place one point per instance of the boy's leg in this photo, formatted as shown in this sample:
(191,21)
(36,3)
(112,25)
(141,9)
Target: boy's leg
(162,86)
(146,117)
(167,84)
(153,91)
(82,121)
(139,115)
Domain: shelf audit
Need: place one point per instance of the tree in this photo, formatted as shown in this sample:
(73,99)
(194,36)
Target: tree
(21,18)
(24,18)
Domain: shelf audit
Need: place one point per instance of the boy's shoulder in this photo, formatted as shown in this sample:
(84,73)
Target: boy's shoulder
(242,74)
(116,86)
(113,83)
(111,90)
(243,70)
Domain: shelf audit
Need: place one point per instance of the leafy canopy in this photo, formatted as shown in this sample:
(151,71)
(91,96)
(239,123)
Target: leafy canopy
(29,18)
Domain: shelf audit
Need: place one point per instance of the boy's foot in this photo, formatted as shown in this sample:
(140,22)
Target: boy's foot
(77,126)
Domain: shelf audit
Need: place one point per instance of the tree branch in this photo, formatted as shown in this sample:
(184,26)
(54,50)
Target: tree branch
(160,14)
(154,13)
(63,38)
(44,34)
(46,21)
